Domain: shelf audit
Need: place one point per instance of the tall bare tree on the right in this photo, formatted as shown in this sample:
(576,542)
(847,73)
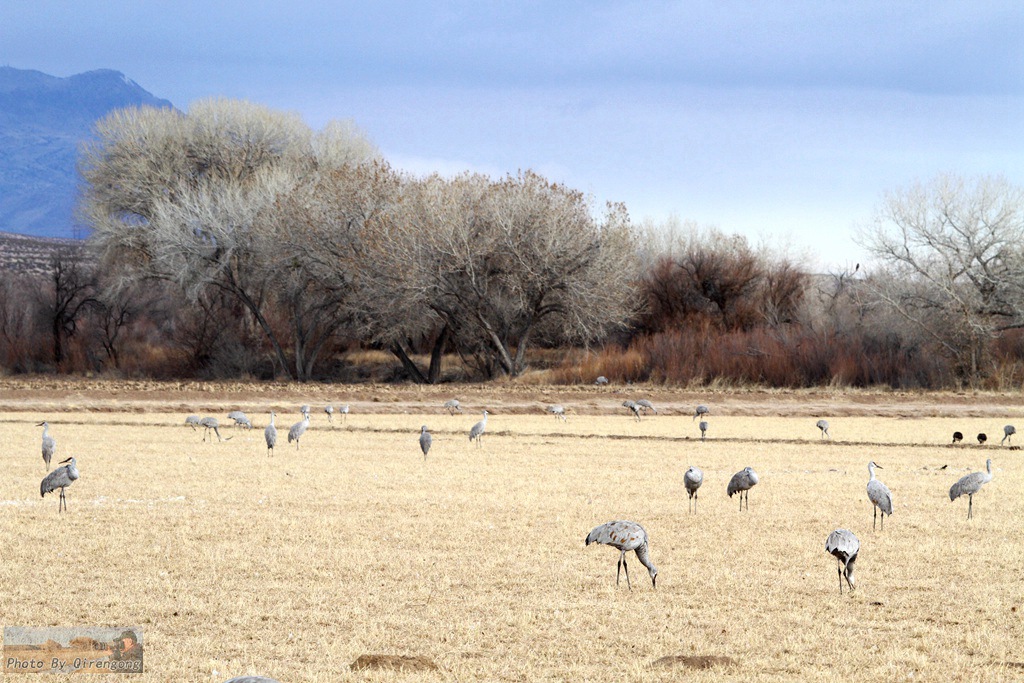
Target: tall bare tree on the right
(952,257)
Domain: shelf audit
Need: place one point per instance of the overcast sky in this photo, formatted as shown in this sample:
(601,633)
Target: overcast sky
(782,121)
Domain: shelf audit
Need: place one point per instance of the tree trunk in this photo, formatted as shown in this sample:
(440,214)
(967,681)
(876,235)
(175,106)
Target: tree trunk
(407,363)
(436,354)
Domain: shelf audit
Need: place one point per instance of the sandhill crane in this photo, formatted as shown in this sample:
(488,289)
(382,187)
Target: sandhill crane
(601,380)
(646,405)
(692,480)
(703,429)
(1008,432)
(701,411)
(270,434)
(49,444)
(632,407)
(240,418)
(209,423)
(478,430)
(192,421)
(425,441)
(741,482)
(823,426)
(252,679)
(329,409)
(558,411)
(304,410)
(982,438)
(453,406)
(844,546)
(343,411)
(625,536)
(879,495)
(957,437)
(971,484)
(60,478)
(298,429)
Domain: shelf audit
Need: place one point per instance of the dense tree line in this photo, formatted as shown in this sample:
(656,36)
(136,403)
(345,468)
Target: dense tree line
(232,240)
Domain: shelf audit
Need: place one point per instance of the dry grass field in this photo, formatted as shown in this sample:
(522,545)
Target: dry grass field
(295,565)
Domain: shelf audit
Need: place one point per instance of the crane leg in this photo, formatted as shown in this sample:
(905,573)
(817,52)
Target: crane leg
(970,504)
(618,570)
(874,516)
(62,501)
(883,521)
(839,568)
(626,567)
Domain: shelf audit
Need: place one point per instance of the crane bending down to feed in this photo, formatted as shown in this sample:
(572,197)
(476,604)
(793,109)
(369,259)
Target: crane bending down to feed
(425,441)
(625,536)
(558,411)
(844,546)
(49,444)
(701,411)
(453,406)
(298,429)
(60,478)
(646,405)
(703,429)
(240,418)
(270,434)
(982,438)
(957,437)
(477,432)
(1008,432)
(970,484)
(823,426)
(692,480)
(879,495)
(192,421)
(741,482)
(329,409)
(633,407)
(210,423)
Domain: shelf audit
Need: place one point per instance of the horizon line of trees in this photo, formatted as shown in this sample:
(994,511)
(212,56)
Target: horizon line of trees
(231,240)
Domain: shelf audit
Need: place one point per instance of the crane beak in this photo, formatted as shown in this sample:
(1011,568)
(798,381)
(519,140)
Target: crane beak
(64,461)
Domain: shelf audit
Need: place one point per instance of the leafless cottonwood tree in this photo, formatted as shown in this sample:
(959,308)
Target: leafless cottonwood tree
(952,251)
(69,294)
(194,199)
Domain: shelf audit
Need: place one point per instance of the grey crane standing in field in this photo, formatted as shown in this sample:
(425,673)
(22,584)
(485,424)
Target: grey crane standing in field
(982,438)
(453,406)
(49,444)
(701,411)
(879,495)
(1008,431)
(298,429)
(192,421)
(558,411)
(646,405)
(601,380)
(343,411)
(957,437)
(425,441)
(823,426)
(741,482)
(478,430)
(329,409)
(60,478)
(240,418)
(625,536)
(970,484)
(270,434)
(703,429)
(209,423)
(844,546)
(632,407)
(692,480)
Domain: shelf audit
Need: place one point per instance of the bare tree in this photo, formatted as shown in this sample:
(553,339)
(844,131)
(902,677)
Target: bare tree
(194,199)
(952,254)
(71,291)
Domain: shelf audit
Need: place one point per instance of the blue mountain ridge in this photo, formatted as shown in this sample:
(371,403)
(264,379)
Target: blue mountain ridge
(43,120)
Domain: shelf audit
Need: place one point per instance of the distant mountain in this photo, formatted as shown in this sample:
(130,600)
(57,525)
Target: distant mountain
(43,119)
